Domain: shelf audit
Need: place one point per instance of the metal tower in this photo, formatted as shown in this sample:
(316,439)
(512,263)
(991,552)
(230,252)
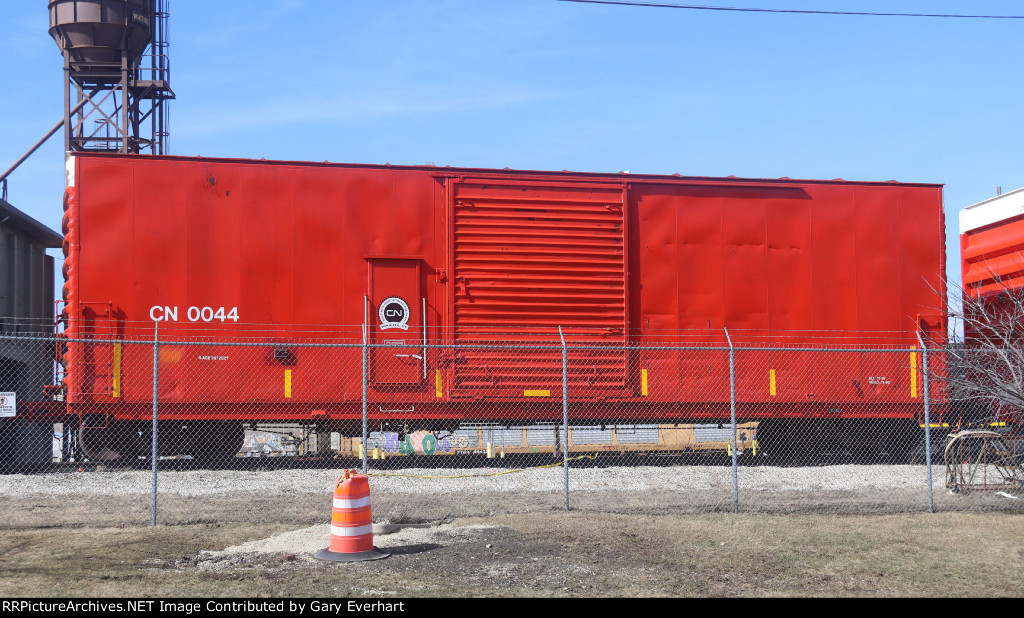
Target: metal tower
(116,74)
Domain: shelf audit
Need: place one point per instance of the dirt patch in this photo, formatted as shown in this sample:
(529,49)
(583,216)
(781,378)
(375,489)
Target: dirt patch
(536,554)
(828,531)
(304,509)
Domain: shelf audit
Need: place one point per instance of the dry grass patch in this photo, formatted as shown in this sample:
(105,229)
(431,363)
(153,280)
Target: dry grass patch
(544,554)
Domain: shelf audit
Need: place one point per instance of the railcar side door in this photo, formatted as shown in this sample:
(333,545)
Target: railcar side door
(395,322)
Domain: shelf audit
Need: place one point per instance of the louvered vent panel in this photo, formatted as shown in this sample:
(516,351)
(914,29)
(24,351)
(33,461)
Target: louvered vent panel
(531,258)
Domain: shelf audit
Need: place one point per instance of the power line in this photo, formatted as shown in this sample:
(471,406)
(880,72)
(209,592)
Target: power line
(699,7)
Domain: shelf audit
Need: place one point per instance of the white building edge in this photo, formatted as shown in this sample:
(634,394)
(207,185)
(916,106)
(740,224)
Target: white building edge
(992,210)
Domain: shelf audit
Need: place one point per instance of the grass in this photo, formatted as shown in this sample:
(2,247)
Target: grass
(547,554)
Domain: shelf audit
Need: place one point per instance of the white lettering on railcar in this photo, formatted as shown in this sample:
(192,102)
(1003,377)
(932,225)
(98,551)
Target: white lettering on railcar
(159,313)
(163,314)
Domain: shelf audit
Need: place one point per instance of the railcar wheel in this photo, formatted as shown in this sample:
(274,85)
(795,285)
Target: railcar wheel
(117,442)
(774,442)
(95,444)
(219,443)
(918,451)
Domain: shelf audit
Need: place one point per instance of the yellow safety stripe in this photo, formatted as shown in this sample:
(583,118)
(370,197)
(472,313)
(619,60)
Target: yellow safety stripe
(913,372)
(116,386)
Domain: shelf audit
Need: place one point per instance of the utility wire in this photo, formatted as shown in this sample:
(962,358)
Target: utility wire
(699,7)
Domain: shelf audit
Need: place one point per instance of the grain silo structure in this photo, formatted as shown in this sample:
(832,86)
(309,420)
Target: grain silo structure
(26,319)
(116,74)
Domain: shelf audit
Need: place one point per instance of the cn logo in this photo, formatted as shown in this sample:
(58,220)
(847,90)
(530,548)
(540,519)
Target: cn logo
(394,313)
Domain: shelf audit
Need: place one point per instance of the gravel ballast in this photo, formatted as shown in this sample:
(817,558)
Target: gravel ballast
(197,483)
(303,496)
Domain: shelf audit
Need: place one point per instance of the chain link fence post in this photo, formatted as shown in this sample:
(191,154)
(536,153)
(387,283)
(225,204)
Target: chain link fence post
(154,431)
(565,415)
(732,424)
(366,352)
(927,421)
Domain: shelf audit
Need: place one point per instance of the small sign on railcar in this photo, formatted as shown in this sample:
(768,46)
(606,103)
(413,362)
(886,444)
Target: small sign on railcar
(8,405)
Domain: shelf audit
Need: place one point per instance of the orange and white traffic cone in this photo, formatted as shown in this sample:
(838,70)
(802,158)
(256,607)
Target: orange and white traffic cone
(351,537)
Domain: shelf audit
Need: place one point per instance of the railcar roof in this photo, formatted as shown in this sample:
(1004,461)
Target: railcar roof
(442,170)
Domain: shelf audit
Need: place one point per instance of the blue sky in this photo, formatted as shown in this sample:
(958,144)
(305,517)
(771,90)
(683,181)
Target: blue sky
(542,84)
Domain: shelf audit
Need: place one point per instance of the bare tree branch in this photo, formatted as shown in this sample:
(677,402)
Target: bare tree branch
(988,366)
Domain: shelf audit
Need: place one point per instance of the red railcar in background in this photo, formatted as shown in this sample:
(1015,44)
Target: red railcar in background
(991,246)
(992,267)
(438,262)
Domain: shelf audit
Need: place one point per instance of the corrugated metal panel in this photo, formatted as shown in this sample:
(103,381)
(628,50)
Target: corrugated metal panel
(711,433)
(540,435)
(502,437)
(591,435)
(470,436)
(638,434)
(536,257)
(498,436)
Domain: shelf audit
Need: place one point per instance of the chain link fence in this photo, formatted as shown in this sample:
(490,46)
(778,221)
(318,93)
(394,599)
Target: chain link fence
(257,428)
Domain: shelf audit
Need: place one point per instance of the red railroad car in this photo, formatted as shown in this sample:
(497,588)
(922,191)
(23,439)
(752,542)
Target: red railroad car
(991,246)
(290,253)
(992,267)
